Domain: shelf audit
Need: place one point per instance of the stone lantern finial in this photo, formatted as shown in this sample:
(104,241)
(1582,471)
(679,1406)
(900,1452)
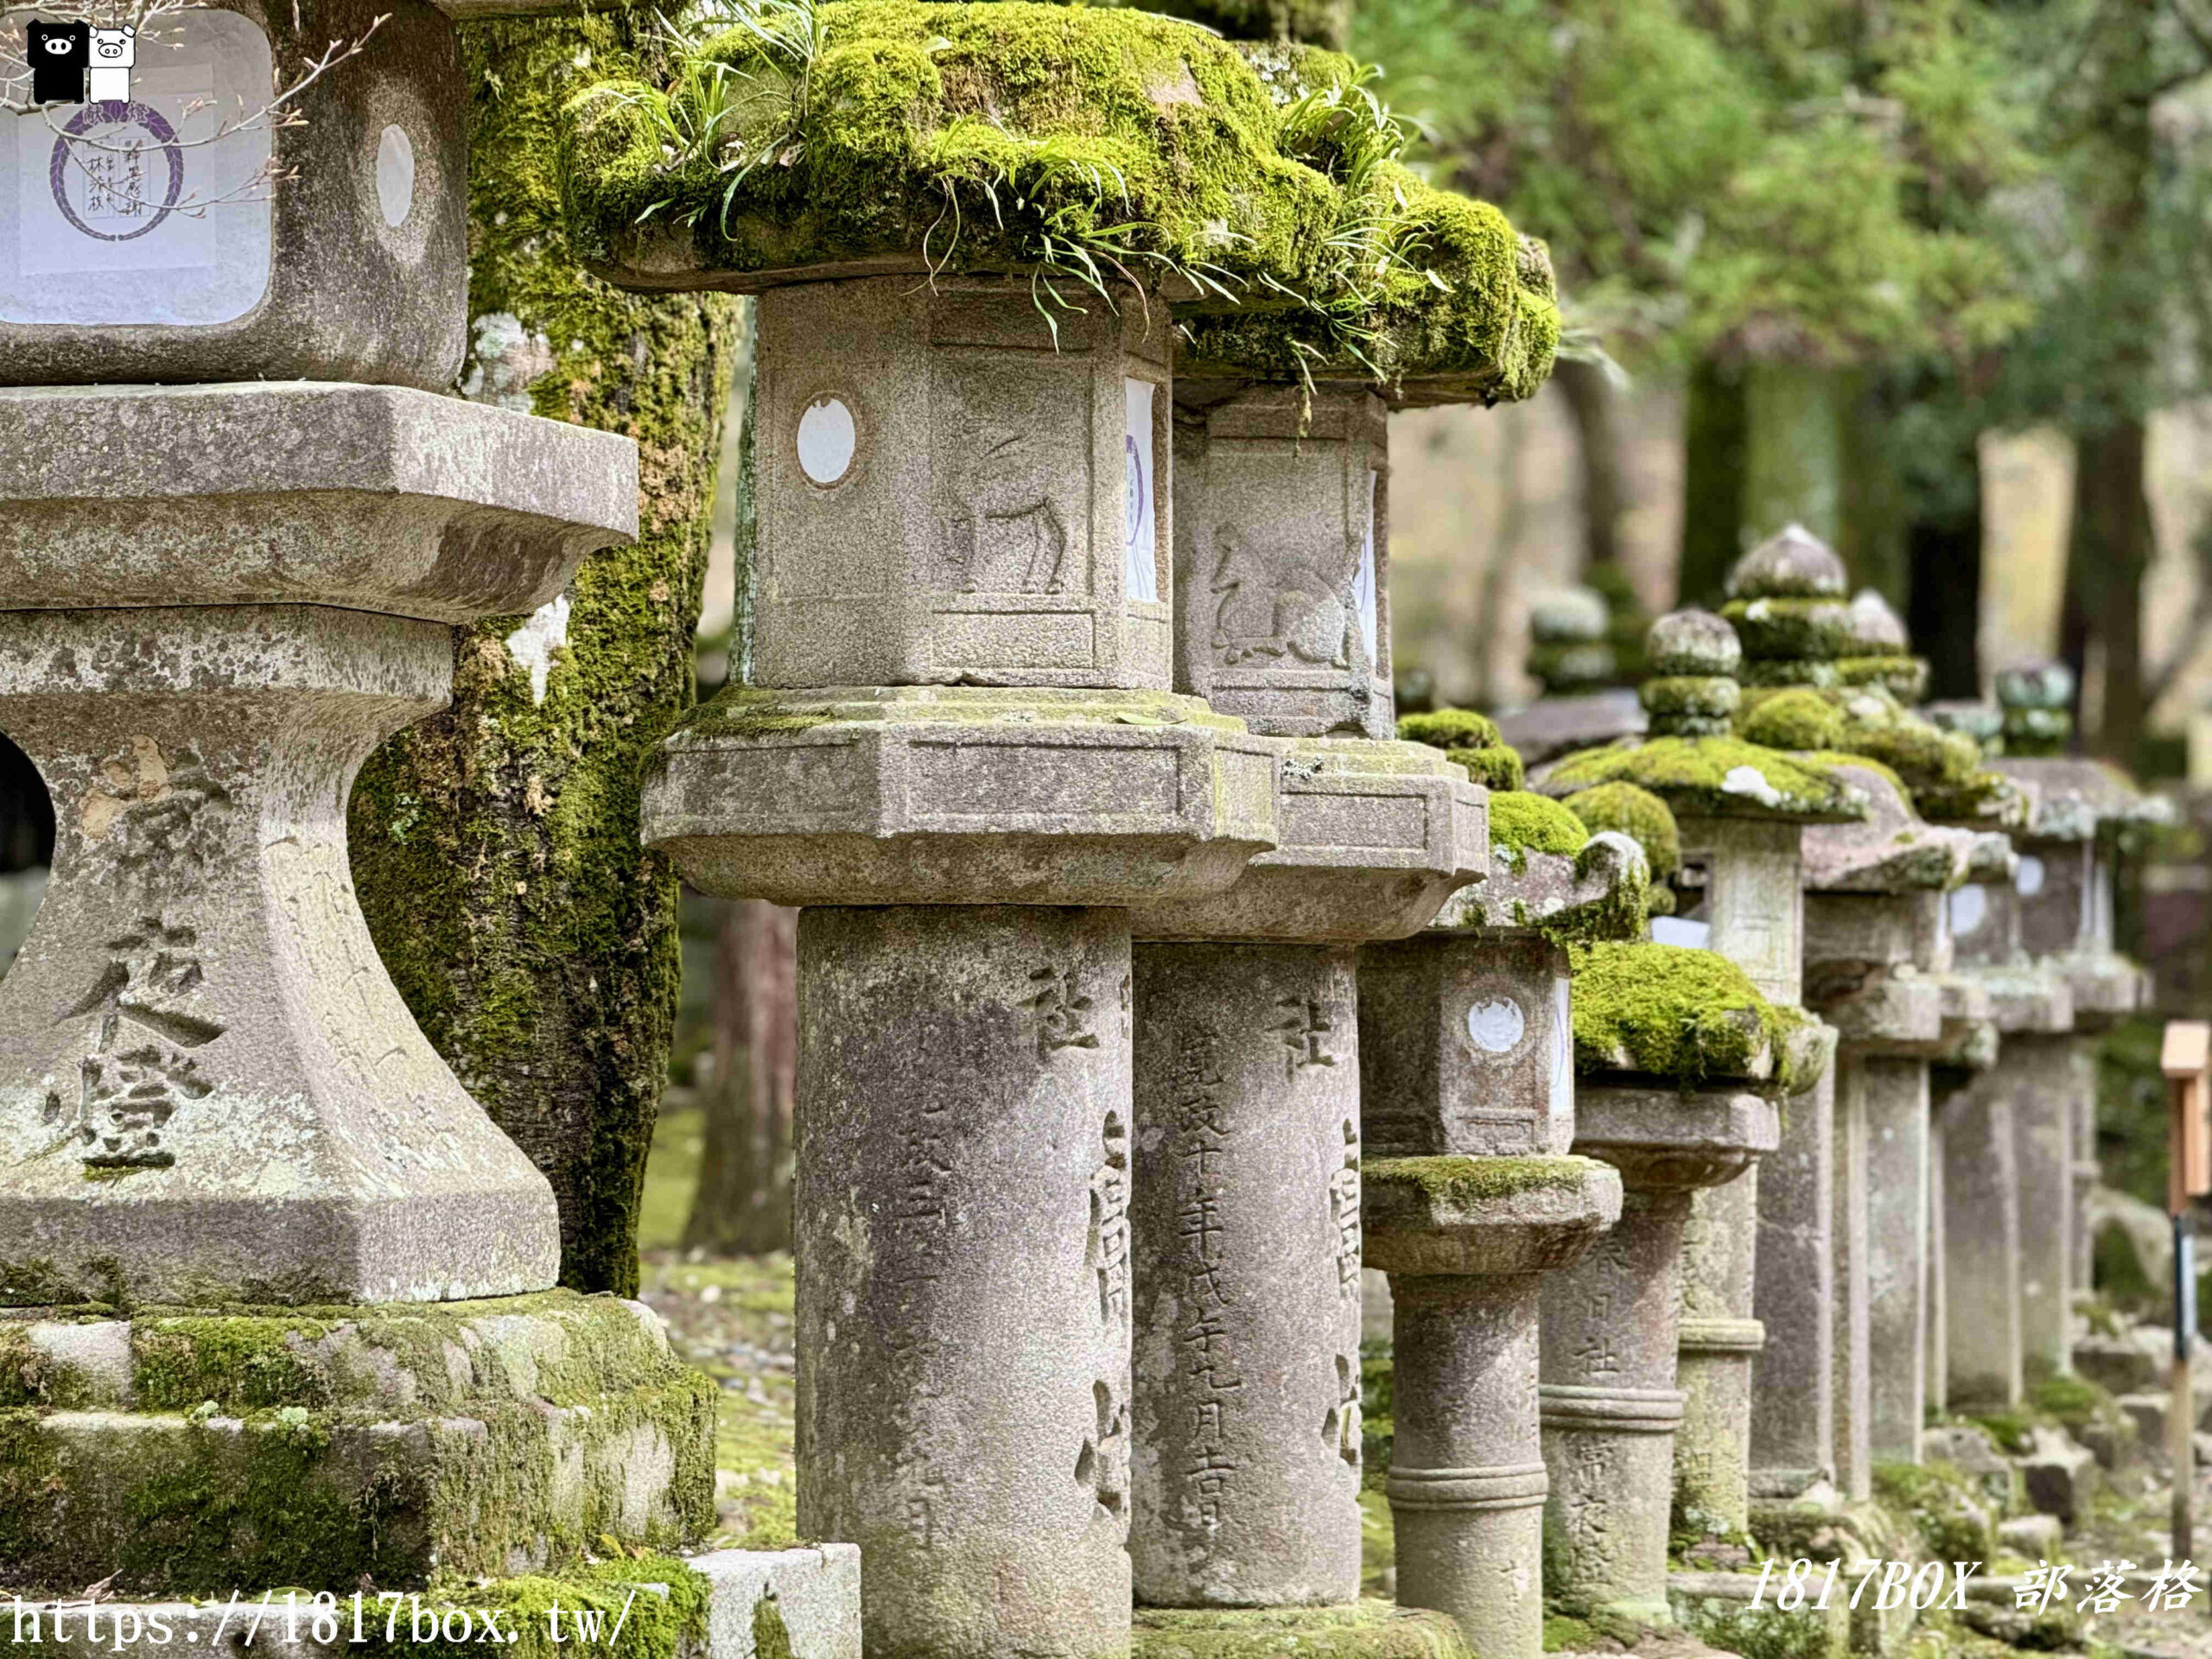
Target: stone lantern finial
(1694,658)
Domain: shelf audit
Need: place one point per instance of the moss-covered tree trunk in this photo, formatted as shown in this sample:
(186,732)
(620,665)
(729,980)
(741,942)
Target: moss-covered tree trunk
(495,847)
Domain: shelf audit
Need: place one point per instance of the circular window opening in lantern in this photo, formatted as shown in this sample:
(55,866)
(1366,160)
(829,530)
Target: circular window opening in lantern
(827,438)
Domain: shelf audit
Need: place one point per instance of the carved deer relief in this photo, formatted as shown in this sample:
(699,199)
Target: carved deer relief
(1005,535)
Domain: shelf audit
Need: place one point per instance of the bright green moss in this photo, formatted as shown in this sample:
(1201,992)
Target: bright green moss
(1636,813)
(1715,776)
(1772,629)
(1673,1013)
(1904,677)
(1451,728)
(1318,23)
(1008,138)
(1520,822)
(1793,718)
(1498,770)
(1677,697)
(1467,313)
(665,1618)
(2074,1402)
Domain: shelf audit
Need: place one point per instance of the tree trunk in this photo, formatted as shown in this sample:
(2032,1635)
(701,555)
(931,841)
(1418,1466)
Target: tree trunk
(743,1204)
(2108,557)
(1944,579)
(1716,440)
(495,848)
(2110,549)
(1595,406)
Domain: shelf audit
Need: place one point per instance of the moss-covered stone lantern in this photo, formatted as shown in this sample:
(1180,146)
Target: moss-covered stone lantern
(1467,1095)
(1759,1281)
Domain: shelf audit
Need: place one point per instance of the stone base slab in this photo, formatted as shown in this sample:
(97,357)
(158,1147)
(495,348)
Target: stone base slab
(371,497)
(1485,1215)
(960,795)
(1367,1629)
(202,1453)
(1375,837)
(730,1604)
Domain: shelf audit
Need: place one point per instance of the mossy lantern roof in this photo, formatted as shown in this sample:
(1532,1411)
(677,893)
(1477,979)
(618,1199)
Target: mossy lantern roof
(1716,778)
(1057,143)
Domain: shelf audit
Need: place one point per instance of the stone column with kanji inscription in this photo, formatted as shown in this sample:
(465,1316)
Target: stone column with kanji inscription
(2064,888)
(1248,1051)
(273,1283)
(1471,1198)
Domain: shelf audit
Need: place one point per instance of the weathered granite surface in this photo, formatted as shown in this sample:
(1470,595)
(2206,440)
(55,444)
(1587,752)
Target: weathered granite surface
(370,498)
(179,1452)
(209,1090)
(1244,1215)
(974,795)
(947,491)
(964,1094)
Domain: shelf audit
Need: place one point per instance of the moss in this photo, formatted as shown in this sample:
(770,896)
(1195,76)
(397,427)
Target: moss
(1456,1182)
(495,846)
(1944,1505)
(660,1603)
(1320,22)
(742,712)
(1497,770)
(2118,1274)
(312,1447)
(2072,1401)
(1678,697)
(1715,776)
(1520,822)
(1636,813)
(1904,677)
(1451,728)
(2010,1429)
(1793,719)
(1367,1629)
(1818,630)
(1673,1013)
(1467,314)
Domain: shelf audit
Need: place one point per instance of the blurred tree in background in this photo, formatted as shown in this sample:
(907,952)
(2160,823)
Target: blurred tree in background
(1864,232)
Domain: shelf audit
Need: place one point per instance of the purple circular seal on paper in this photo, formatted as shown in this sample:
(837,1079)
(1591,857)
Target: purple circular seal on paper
(115,113)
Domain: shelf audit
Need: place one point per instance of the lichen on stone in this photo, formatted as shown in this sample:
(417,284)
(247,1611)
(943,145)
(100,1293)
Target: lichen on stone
(1713,776)
(1459,1182)
(1636,813)
(1675,1013)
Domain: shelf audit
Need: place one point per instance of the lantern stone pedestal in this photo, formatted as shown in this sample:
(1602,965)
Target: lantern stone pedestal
(2064,888)
(1468,1079)
(1610,1403)
(967,854)
(2032,1010)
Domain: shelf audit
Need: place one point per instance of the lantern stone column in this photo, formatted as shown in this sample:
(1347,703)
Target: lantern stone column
(1467,1077)
(959,754)
(1245,1221)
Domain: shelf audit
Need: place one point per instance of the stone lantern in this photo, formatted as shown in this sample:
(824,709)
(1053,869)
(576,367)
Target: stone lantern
(243,520)
(1648,1020)
(1741,810)
(957,749)
(2065,900)
(1467,1084)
